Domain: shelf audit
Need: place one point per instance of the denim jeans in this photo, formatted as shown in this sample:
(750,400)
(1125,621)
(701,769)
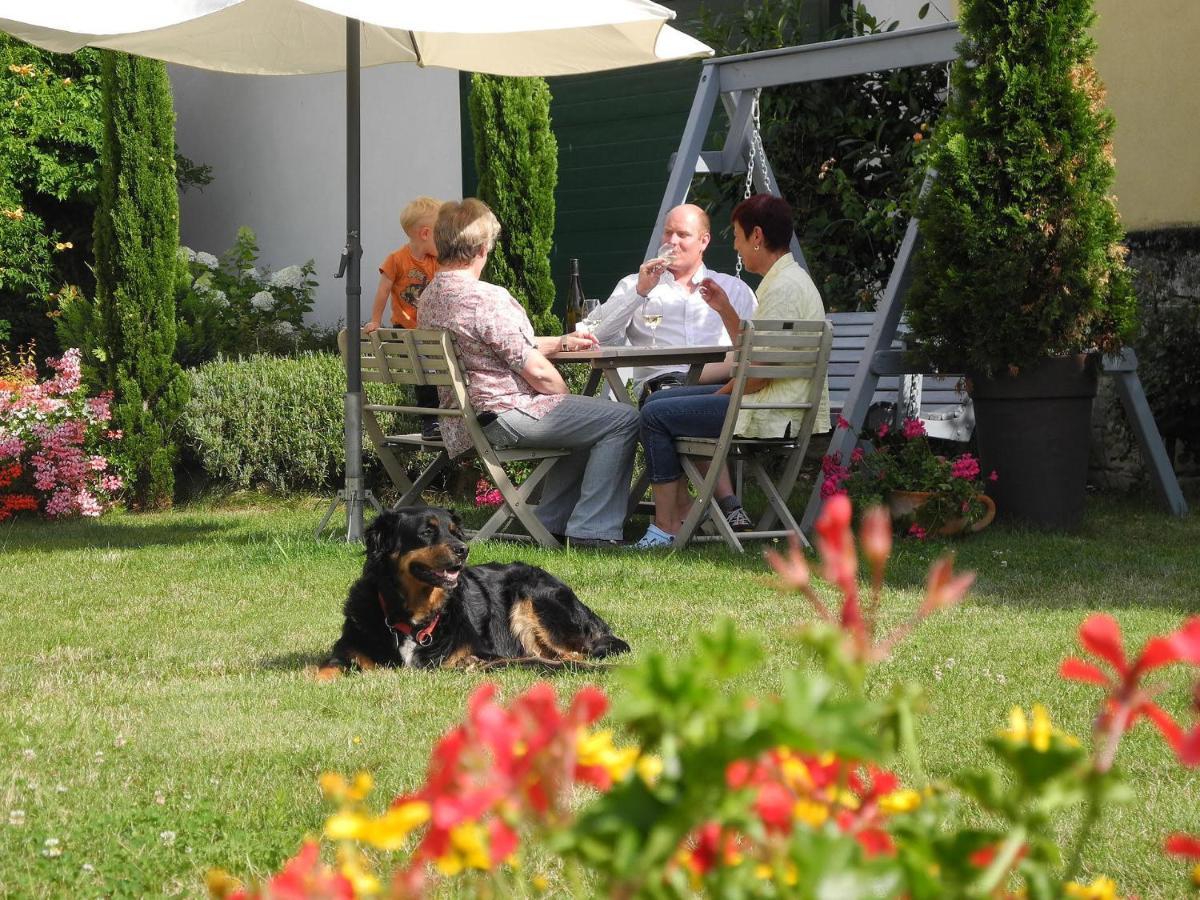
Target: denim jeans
(694,411)
(586,493)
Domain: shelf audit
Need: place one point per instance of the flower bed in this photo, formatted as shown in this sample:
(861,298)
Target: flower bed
(723,793)
(53,443)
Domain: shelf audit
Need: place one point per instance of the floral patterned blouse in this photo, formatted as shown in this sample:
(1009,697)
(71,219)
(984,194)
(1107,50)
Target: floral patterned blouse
(494,337)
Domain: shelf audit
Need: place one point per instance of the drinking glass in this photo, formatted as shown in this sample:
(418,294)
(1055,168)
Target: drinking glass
(667,253)
(591,316)
(652,315)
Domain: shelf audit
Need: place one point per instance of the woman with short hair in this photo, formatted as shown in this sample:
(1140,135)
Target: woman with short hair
(762,233)
(584,497)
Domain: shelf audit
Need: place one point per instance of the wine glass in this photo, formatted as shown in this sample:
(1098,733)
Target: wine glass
(652,315)
(667,252)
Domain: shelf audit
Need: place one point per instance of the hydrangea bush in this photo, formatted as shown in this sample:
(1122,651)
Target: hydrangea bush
(235,306)
(53,442)
(713,791)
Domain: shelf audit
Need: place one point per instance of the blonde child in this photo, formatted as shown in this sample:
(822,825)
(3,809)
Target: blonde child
(405,272)
(402,277)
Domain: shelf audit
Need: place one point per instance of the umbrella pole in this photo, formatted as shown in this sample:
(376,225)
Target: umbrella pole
(354,493)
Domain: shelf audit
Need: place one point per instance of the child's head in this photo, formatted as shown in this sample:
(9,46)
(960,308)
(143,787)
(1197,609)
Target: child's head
(417,220)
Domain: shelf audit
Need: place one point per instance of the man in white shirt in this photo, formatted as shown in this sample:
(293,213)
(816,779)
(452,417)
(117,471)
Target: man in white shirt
(687,320)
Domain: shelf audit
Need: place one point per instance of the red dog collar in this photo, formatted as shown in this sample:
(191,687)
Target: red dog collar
(424,637)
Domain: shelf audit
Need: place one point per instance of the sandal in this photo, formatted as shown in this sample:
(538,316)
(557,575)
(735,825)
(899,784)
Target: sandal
(654,538)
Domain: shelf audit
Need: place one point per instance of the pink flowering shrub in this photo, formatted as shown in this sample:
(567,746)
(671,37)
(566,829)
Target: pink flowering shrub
(53,439)
(903,460)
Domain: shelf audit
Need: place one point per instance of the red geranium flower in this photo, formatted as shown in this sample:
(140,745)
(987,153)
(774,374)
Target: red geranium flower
(1128,701)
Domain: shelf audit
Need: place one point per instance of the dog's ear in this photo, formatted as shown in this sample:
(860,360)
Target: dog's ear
(455,518)
(381,535)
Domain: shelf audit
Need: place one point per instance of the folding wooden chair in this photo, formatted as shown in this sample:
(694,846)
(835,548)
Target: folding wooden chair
(412,357)
(766,349)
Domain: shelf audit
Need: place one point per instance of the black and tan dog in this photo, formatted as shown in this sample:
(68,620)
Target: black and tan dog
(418,604)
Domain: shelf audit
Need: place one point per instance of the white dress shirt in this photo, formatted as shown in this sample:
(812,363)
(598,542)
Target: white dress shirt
(687,319)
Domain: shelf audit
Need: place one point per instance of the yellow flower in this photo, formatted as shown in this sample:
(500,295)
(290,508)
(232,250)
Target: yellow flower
(345,826)
(333,785)
(64,245)
(467,850)
(1103,888)
(16,214)
(540,883)
(1038,732)
(363,783)
(391,830)
(220,883)
(901,801)
(26,69)
(810,812)
(364,882)
(649,769)
(596,749)
(795,773)
(66,81)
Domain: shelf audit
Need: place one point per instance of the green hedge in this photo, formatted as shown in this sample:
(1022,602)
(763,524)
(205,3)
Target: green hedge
(275,422)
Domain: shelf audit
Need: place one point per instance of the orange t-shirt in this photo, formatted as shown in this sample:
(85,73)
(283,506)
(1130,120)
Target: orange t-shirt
(409,277)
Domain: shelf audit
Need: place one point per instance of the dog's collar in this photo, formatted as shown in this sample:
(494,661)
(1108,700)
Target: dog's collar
(424,637)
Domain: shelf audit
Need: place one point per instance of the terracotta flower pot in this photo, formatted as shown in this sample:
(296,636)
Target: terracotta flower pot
(906,503)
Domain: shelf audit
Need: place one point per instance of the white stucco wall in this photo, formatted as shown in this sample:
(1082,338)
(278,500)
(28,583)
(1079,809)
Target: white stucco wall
(905,11)
(277,148)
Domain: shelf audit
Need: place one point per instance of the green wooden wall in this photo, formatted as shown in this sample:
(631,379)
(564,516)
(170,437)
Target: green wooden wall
(616,131)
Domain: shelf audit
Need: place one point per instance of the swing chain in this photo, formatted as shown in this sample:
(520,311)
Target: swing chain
(756,154)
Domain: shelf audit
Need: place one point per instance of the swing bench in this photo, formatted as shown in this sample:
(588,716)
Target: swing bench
(867,362)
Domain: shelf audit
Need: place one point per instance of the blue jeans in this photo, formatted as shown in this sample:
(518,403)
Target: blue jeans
(694,411)
(586,493)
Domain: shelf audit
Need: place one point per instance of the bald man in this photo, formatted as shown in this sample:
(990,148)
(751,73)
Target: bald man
(687,320)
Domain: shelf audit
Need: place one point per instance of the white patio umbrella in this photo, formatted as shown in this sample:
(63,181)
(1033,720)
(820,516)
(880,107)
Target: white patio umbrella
(291,37)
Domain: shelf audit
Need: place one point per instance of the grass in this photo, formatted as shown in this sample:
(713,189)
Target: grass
(157,716)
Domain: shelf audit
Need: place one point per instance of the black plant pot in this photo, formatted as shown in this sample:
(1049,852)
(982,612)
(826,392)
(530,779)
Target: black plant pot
(1033,430)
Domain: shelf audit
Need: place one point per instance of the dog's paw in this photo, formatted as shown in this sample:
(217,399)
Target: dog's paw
(327,673)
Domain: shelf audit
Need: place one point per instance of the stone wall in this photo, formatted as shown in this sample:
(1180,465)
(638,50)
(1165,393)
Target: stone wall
(1166,266)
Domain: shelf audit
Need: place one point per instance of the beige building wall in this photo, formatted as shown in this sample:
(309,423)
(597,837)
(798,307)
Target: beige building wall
(1149,58)
(1148,55)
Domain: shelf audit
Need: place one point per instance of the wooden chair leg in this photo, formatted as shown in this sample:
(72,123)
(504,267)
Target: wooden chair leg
(787,482)
(777,501)
(703,504)
(426,478)
(515,504)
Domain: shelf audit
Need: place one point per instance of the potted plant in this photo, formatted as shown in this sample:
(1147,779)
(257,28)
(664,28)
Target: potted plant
(1021,281)
(927,493)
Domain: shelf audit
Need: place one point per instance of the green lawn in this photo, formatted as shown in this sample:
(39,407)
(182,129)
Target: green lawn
(157,715)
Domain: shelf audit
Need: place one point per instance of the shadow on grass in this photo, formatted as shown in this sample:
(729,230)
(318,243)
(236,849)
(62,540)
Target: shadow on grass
(1129,553)
(104,534)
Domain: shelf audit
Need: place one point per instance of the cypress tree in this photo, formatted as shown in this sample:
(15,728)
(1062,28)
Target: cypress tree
(1021,258)
(516,156)
(136,235)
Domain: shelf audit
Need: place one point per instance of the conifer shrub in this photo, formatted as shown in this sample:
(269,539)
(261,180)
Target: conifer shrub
(516,156)
(1021,258)
(135,239)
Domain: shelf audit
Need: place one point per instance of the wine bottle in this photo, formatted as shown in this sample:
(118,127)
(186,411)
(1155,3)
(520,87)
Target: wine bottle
(575,311)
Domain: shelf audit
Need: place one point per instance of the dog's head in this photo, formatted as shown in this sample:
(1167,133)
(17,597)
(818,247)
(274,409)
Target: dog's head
(419,543)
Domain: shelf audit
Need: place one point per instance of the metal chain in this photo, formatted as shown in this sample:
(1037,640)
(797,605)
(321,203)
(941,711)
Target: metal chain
(756,154)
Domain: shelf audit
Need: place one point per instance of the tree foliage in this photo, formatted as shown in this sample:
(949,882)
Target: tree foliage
(50,134)
(1021,259)
(136,236)
(516,156)
(845,151)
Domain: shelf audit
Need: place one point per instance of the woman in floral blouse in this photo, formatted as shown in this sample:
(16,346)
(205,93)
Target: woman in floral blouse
(585,495)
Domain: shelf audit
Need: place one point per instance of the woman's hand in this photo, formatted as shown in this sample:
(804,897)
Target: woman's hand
(370,327)
(578,340)
(714,295)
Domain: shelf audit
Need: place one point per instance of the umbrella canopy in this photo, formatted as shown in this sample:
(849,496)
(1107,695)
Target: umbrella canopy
(293,37)
(290,37)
